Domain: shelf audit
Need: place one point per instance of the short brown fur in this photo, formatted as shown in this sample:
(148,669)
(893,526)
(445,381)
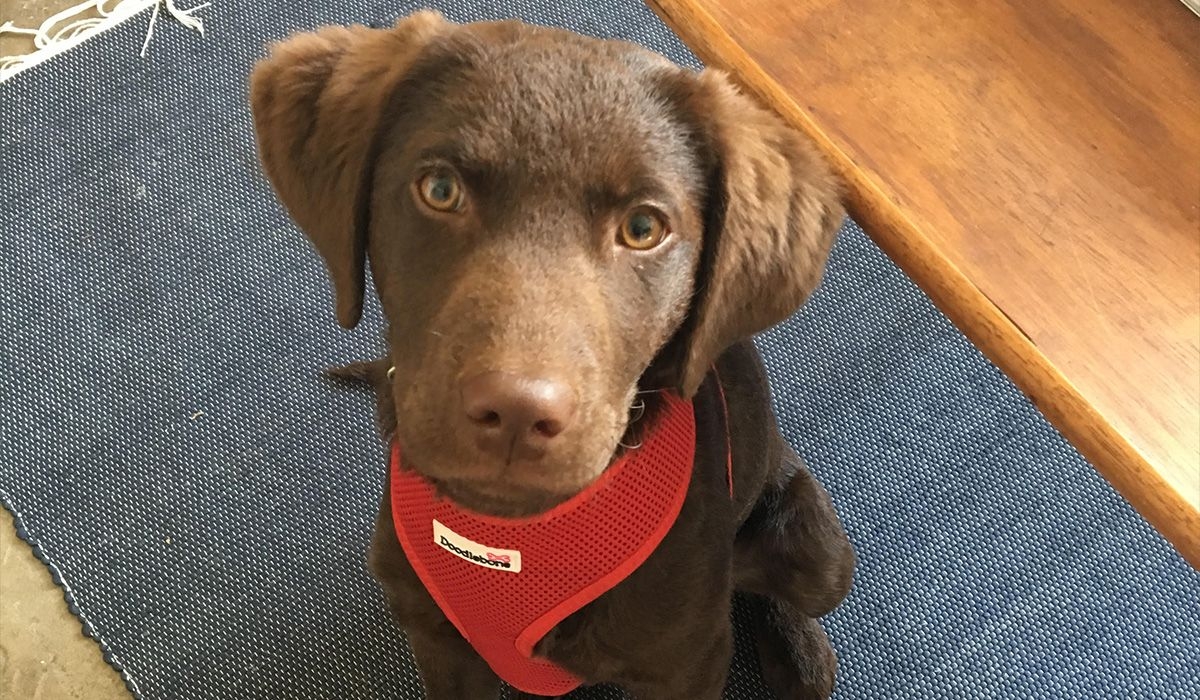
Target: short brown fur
(555,140)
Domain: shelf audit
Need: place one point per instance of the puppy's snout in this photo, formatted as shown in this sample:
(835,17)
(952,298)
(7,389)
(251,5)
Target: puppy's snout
(515,415)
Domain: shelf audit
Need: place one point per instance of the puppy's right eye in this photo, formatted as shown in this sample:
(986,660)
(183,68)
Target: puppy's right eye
(643,229)
(440,191)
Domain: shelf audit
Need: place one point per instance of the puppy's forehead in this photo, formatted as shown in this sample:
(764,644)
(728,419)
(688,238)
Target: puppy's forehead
(554,101)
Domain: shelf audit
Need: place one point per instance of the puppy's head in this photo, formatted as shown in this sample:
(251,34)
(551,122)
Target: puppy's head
(554,224)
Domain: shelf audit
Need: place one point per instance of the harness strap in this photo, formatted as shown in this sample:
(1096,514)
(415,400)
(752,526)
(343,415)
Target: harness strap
(728,436)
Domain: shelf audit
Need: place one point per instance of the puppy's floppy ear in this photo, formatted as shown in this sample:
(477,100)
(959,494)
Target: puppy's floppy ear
(774,211)
(317,102)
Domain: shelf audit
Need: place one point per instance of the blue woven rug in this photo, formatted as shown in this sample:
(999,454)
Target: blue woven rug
(168,445)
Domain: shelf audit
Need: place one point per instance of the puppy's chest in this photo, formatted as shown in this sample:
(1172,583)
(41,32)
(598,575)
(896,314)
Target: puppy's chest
(506,583)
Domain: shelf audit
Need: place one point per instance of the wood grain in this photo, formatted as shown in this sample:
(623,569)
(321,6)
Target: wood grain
(1034,165)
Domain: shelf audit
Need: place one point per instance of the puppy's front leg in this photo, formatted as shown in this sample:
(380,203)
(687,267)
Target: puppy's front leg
(794,652)
(450,668)
(701,678)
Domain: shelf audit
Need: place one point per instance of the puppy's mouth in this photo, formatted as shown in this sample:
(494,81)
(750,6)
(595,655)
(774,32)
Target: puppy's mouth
(519,488)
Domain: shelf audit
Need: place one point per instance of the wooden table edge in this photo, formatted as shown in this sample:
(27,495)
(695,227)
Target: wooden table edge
(1129,472)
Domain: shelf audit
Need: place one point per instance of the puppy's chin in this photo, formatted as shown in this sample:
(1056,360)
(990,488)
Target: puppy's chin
(499,499)
(504,492)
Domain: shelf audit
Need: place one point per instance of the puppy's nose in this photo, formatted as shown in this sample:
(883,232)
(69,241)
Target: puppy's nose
(514,414)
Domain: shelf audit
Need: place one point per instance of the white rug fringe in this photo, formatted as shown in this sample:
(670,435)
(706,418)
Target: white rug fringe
(60,32)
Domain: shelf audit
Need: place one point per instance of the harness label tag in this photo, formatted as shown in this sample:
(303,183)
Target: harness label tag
(479,554)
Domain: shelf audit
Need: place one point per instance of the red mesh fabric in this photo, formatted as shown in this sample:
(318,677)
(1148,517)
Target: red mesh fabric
(568,557)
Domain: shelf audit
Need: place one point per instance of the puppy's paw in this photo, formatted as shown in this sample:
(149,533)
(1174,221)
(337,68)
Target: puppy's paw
(797,659)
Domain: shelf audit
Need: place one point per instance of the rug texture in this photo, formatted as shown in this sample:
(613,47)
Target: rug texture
(168,445)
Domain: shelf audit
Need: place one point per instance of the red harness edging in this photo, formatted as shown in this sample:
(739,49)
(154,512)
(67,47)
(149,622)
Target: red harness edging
(506,582)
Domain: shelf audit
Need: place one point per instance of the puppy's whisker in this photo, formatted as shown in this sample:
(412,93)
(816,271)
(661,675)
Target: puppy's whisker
(629,447)
(639,408)
(651,391)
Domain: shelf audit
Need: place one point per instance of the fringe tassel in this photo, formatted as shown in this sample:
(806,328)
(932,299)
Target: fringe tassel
(65,30)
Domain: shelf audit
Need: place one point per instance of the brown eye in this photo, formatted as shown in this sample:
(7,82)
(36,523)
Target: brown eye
(643,229)
(440,191)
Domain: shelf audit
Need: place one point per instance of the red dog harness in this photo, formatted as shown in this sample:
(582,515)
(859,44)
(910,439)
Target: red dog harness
(506,582)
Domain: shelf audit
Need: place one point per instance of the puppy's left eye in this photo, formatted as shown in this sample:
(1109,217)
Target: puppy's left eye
(643,229)
(440,191)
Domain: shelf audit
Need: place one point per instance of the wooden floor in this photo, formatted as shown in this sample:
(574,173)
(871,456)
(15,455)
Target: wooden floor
(1035,166)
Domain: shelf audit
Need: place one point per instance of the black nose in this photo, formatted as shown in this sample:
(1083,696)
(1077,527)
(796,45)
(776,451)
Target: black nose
(515,415)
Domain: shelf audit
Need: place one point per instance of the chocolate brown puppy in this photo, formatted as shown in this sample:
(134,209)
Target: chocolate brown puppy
(560,229)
